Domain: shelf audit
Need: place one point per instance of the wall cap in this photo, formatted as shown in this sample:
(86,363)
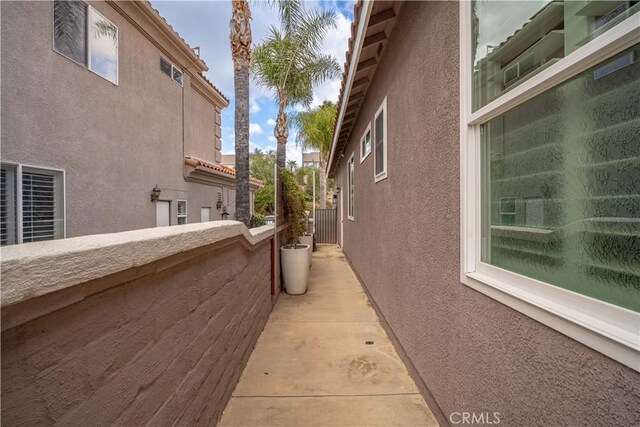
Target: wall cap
(34,269)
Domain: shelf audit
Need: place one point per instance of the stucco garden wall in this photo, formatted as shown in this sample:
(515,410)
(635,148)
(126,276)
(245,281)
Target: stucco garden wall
(149,326)
(469,352)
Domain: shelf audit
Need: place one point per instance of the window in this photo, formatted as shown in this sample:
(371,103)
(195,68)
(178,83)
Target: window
(177,76)
(552,149)
(182,212)
(365,144)
(351,188)
(94,46)
(32,204)
(531,36)
(380,137)
(165,67)
(171,70)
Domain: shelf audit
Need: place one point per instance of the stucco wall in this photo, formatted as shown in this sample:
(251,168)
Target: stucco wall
(162,343)
(115,143)
(472,352)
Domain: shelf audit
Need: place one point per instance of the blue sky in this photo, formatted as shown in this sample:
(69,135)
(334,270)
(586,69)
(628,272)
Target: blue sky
(206,24)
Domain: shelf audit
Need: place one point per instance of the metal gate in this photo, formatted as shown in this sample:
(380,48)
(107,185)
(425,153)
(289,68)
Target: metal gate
(326,225)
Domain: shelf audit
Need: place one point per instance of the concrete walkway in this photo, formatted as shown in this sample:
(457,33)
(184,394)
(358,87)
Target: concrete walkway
(312,365)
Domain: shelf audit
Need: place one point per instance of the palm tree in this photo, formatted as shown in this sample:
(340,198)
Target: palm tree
(315,131)
(293,165)
(290,63)
(240,37)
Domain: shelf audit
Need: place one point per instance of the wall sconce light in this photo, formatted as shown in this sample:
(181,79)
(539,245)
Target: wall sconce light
(337,189)
(155,193)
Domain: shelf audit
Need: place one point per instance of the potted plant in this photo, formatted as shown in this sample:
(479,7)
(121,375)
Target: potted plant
(294,257)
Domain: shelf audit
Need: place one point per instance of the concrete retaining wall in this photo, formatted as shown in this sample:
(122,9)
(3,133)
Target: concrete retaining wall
(162,341)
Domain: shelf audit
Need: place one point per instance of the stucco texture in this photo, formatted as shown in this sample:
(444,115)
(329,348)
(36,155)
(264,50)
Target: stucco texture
(114,142)
(160,344)
(471,352)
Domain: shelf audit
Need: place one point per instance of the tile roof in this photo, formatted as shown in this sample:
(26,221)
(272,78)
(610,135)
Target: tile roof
(347,61)
(214,87)
(194,162)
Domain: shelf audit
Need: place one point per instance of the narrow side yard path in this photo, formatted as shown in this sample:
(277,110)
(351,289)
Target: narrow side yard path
(312,365)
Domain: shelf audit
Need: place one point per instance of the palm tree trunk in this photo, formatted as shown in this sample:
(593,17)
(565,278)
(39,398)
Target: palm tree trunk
(281,132)
(323,183)
(241,52)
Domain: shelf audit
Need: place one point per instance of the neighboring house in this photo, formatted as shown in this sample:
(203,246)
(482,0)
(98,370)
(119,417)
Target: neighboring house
(311,159)
(105,108)
(229,160)
(488,182)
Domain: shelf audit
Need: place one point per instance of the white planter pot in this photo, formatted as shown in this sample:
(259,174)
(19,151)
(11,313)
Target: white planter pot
(295,268)
(307,239)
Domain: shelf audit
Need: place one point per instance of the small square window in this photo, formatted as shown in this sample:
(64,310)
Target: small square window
(177,76)
(165,67)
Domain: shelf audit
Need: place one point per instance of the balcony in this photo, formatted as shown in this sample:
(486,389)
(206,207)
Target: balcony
(158,327)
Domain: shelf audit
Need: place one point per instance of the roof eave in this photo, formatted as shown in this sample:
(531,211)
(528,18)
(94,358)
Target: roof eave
(362,28)
(171,34)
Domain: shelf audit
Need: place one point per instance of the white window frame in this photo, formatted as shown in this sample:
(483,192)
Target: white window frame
(87,66)
(186,212)
(364,155)
(89,7)
(173,67)
(381,110)
(605,327)
(351,173)
(18,202)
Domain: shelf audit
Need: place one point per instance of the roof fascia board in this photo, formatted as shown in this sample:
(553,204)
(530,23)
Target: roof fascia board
(198,83)
(355,58)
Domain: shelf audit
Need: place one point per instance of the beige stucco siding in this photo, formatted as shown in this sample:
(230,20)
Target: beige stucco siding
(472,352)
(115,142)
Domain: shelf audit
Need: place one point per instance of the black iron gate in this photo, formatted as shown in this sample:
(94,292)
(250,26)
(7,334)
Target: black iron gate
(326,225)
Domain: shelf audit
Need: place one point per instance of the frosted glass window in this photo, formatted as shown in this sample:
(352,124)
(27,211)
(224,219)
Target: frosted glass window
(561,184)
(514,40)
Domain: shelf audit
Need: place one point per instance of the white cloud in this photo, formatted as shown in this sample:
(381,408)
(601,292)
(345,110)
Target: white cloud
(255,129)
(271,138)
(255,107)
(271,122)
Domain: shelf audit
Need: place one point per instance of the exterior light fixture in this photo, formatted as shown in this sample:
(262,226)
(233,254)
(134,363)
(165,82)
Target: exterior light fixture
(155,193)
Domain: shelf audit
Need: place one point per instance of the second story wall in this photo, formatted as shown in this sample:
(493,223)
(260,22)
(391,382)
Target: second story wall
(114,142)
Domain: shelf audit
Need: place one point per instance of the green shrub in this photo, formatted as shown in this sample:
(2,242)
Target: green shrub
(292,207)
(257,220)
